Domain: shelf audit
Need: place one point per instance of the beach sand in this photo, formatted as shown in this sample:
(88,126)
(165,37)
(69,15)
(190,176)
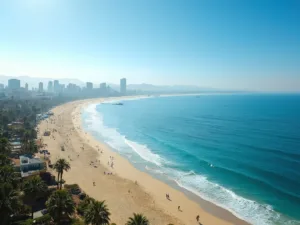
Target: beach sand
(127,190)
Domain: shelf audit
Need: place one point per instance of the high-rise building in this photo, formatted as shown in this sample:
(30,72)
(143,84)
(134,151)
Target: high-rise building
(62,87)
(41,87)
(14,84)
(56,86)
(26,87)
(123,86)
(89,85)
(1,86)
(70,87)
(50,86)
(103,86)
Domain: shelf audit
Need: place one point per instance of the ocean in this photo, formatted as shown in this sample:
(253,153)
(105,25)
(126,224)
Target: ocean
(241,152)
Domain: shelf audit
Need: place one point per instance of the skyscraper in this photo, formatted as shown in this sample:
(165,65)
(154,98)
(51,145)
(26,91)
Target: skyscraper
(123,86)
(103,86)
(62,87)
(56,86)
(50,86)
(14,84)
(26,87)
(41,87)
(89,85)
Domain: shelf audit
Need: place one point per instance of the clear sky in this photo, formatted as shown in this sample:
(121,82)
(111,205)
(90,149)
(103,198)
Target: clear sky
(231,44)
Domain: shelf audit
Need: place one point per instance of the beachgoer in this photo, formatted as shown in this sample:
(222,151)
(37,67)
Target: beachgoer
(197,218)
(179,208)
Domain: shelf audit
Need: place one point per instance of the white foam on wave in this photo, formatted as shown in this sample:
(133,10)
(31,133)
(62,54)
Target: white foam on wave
(251,211)
(113,138)
(111,101)
(144,152)
(151,169)
(248,210)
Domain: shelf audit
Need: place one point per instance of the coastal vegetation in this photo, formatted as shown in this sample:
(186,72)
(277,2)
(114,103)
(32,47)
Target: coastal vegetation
(137,219)
(60,206)
(60,166)
(96,213)
(34,188)
(21,197)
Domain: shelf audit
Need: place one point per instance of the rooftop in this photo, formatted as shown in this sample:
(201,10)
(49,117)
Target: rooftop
(29,160)
(16,162)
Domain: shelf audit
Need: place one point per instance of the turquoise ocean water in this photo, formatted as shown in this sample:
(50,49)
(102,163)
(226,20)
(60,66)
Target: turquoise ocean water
(241,152)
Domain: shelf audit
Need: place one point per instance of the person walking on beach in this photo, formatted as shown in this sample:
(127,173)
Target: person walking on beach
(179,208)
(168,196)
(197,218)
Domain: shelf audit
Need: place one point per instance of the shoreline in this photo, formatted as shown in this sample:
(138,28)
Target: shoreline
(138,181)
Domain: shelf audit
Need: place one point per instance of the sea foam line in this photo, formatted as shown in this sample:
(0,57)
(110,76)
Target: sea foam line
(248,210)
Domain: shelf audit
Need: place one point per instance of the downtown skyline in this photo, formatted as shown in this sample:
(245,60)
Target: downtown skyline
(250,45)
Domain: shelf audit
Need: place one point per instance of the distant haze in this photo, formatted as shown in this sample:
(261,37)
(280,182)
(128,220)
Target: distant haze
(33,82)
(231,45)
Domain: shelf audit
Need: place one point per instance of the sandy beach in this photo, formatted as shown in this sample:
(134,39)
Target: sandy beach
(125,189)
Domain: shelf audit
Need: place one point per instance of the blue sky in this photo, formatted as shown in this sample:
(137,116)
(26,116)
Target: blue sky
(231,44)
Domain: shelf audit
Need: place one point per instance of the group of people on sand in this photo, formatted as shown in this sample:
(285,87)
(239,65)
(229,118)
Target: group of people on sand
(179,209)
(107,173)
(110,162)
(93,163)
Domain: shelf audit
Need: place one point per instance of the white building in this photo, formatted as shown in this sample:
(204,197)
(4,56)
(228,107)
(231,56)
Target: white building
(30,165)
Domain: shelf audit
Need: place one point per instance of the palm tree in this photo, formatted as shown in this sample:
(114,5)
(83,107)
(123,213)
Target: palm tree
(34,110)
(34,188)
(8,175)
(4,160)
(60,166)
(138,219)
(60,204)
(4,146)
(32,147)
(25,141)
(97,213)
(9,202)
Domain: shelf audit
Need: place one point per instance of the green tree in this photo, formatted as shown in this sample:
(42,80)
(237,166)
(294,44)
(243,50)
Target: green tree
(9,202)
(32,147)
(4,120)
(60,166)
(34,188)
(4,146)
(60,204)
(97,213)
(137,219)
(82,206)
(4,160)
(8,175)
(26,122)
(25,141)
